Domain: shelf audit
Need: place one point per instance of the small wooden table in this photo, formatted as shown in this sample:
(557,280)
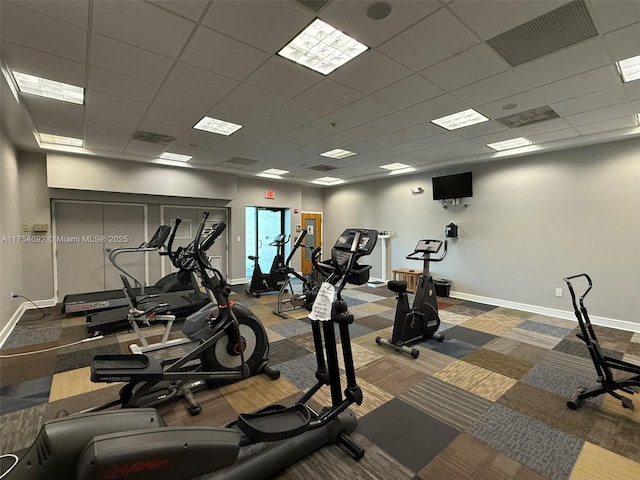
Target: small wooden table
(409,275)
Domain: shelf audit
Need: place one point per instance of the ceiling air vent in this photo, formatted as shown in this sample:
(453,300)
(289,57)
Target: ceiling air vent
(529,116)
(153,137)
(560,28)
(323,168)
(313,5)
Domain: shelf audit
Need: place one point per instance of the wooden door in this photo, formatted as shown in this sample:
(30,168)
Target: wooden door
(312,223)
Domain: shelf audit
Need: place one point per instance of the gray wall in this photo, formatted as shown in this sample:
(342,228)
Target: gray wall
(10,250)
(532,220)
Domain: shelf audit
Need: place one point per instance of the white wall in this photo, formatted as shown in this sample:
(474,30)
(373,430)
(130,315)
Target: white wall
(531,221)
(10,247)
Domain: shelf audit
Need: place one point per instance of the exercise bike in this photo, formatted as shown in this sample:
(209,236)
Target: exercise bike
(604,365)
(137,445)
(232,345)
(420,321)
(310,283)
(272,281)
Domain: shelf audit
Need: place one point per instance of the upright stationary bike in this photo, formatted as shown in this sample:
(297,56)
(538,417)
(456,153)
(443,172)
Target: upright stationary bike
(420,321)
(275,278)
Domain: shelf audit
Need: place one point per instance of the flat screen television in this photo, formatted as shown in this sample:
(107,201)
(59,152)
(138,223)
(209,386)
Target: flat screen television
(452,186)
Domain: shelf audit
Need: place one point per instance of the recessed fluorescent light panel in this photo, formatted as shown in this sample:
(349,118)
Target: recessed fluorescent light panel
(400,171)
(49,88)
(629,68)
(395,166)
(272,173)
(460,119)
(322,48)
(214,125)
(175,156)
(60,140)
(508,144)
(328,181)
(338,153)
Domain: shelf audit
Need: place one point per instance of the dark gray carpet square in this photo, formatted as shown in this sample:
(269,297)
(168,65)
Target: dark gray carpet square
(541,447)
(452,347)
(82,358)
(412,437)
(545,328)
(284,350)
(468,335)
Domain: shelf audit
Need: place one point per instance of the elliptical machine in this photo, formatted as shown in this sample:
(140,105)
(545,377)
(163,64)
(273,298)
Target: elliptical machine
(272,281)
(310,282)
(233,345)
(137,444)
(421,321)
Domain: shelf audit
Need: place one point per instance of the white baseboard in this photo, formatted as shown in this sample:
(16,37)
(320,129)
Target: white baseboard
(550,312)
(237,281)
(24,306)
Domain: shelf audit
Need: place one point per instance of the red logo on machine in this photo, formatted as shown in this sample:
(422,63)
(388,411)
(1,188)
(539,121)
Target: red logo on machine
(123,471)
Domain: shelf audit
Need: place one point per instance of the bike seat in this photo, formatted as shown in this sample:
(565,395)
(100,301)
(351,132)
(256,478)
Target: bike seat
(398,286)
(252,257)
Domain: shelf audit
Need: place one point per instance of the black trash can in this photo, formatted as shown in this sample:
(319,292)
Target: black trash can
(443,285)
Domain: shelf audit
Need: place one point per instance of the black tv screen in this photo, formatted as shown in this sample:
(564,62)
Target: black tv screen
(452,186)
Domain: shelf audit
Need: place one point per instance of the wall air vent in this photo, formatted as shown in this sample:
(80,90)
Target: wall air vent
(153,137)
(323,168)
(560,28)
(313,5)
(534,115)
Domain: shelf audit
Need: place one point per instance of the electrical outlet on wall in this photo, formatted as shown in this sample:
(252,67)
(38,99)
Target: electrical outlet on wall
(558,292)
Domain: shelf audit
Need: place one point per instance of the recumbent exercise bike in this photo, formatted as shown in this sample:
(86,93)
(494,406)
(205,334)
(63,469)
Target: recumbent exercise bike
(275,278)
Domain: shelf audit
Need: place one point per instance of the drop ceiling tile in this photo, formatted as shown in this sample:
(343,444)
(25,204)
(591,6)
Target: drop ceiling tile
(265,25)
(365,110)
(603,98)
(68,129)
(98,138)
(283,77)
(255,98)
(52,112)
(480,129)
(412,47)
(171,116)
(233,114)
(388,140)
(229,57)
(271,124)
(491,89)
(41,64)
(200,137)
(183,101)
(298,112)
(308,133)
(105,149)
(553,136)
(352,19)
(192,9)
(408,91)
(613,15)
(333,123)
(76,13)
(624,43)
(334,141)
(105,102)
(361,147)
(246,138)
(107,81)
(329,95)
(363,132)
(43,33)
(467,67)
(492,17)
(144,149)
(420,131)
(600,114)
(199,82)
(396,121)
(441,139)
(113,118)
(471,152)
(119,57)
(460,146)
(606,126)
(437,107)
(496,137)
(357,73)
(632,90)
(111,129)
(143,25)
(582,84)
(162,128)
(565,63)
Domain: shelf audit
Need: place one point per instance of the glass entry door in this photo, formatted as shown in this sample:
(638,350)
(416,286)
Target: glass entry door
(262,226)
